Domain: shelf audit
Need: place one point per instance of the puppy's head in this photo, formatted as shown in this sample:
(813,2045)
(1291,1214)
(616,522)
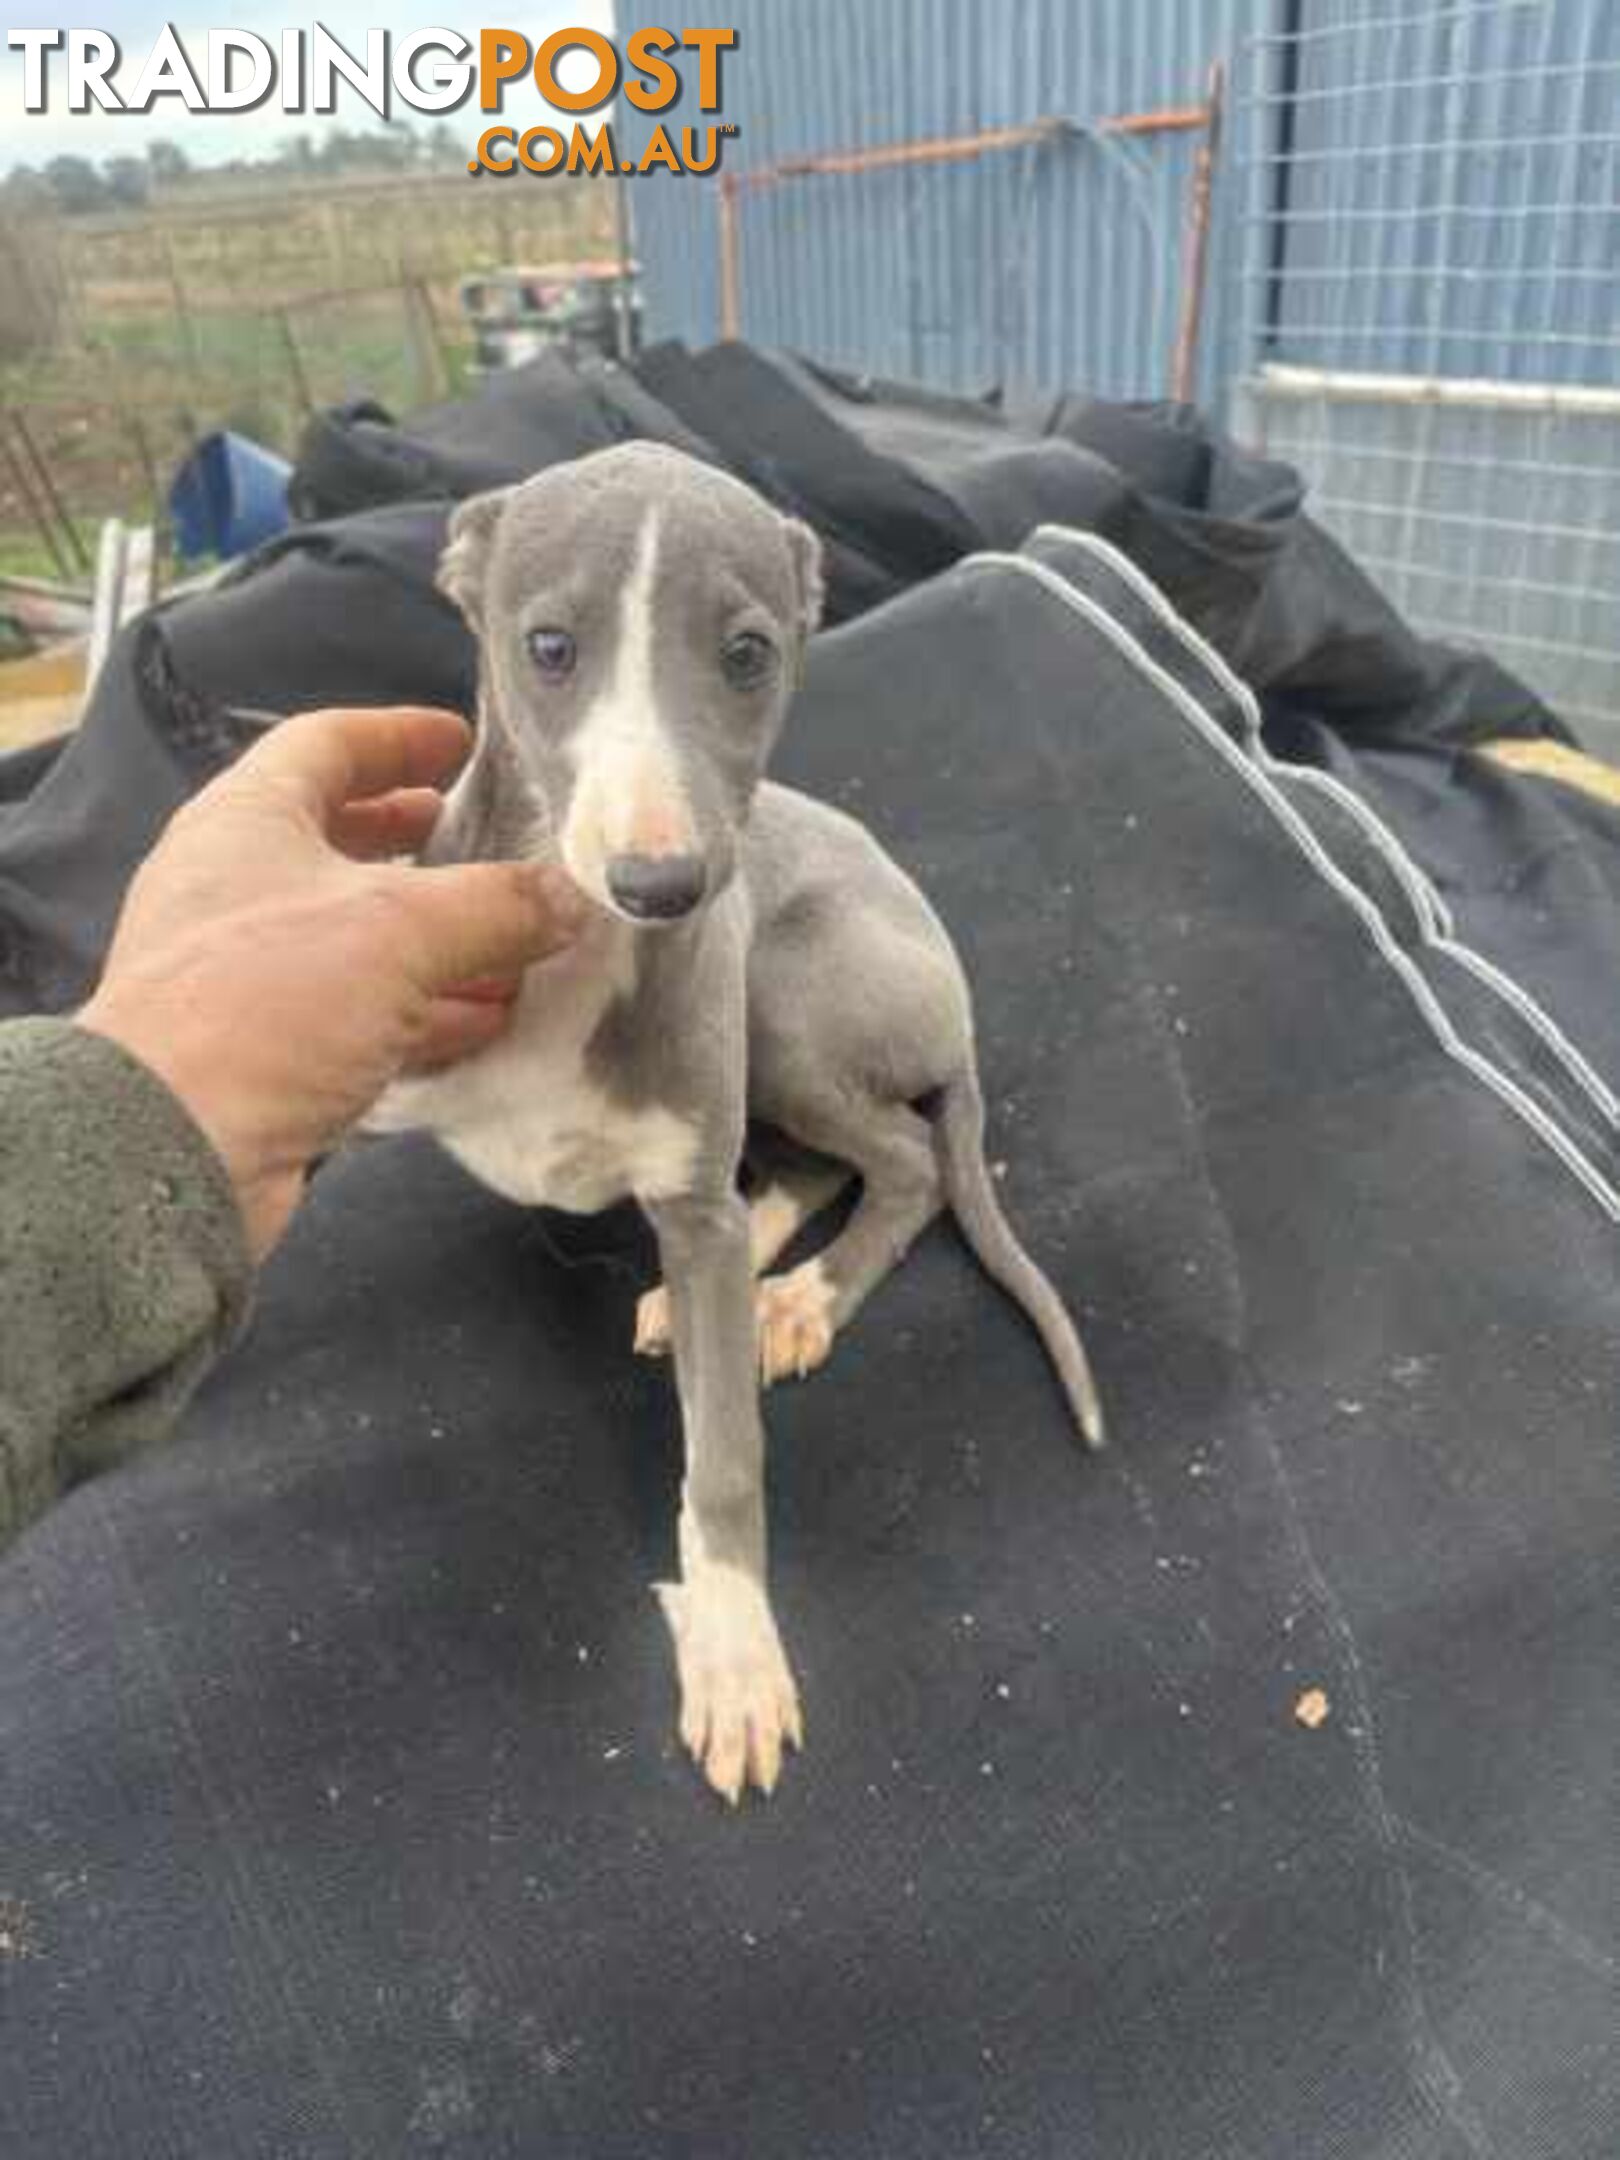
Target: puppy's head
(642,619)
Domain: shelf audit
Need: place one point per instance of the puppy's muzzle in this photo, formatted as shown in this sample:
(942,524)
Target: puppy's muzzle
(656,888)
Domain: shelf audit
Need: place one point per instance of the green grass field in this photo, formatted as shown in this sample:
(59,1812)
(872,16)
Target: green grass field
(248,312)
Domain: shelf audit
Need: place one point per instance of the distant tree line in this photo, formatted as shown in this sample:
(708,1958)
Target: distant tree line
(78,186)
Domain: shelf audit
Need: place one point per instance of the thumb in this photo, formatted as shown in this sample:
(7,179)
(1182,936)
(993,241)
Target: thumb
(469,919)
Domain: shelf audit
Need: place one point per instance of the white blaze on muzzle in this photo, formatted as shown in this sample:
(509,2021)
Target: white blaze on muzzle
(627,797)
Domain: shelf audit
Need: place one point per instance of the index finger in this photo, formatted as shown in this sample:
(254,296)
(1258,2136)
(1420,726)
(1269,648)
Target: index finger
(345,754)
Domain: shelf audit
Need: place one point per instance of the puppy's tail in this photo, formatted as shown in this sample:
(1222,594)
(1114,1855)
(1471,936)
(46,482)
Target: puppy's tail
(958,1121)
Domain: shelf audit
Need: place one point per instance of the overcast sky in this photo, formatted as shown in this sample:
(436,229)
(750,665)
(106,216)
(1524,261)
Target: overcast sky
(209,138)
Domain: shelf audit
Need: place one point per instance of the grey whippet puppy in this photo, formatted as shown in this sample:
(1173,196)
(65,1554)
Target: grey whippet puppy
(752,955)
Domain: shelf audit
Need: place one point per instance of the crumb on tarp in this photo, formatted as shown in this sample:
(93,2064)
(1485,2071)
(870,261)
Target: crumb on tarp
(17,1937)
(1311,1710)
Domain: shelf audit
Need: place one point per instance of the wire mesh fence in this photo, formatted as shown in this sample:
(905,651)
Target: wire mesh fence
(1429,256)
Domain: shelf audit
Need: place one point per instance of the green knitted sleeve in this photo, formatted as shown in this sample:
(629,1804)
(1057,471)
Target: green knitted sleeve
(123,1267)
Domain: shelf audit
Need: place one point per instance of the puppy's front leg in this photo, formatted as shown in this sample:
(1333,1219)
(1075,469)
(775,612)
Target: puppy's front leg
(738,1700)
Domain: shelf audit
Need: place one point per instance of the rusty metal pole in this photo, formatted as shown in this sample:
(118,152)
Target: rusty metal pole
(23,489)
(52,494)
(730,295)
(952,149)
(295,362)
(1195,253)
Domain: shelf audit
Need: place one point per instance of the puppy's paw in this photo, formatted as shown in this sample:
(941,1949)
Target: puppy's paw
(652,1323)
(795,1322)
(739,1704)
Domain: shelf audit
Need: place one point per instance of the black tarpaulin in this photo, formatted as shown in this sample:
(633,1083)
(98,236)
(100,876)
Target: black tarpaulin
(900,482)
(338,1789)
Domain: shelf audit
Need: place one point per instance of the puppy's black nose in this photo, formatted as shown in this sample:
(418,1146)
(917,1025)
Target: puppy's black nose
(656,888)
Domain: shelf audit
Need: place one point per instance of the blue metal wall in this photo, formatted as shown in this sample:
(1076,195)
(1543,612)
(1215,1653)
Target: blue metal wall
(1032,268)
(1451,202)
(1419,187)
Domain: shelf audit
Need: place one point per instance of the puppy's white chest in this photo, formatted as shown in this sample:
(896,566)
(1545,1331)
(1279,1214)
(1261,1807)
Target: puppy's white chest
(527,1116)
(555,1140)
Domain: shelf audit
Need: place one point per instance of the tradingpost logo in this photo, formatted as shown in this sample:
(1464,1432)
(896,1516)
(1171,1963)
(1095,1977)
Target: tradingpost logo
(503,54)
(431,71)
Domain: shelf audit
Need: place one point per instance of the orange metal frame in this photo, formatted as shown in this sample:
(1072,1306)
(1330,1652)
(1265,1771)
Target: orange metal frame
(959,149)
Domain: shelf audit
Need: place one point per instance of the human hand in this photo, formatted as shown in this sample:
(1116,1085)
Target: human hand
(277,970)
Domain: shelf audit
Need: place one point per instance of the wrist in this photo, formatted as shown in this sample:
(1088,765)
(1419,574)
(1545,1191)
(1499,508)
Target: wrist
(178,1056)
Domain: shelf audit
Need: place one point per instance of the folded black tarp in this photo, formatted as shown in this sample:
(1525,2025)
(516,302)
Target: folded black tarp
(901,481)
(340,1813)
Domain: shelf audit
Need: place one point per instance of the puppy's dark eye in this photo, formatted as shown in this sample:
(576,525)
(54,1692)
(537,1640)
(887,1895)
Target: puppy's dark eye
(748,660)
(552,652)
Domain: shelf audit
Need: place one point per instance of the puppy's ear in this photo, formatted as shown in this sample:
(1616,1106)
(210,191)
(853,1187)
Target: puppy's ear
(805,549)
(465,560)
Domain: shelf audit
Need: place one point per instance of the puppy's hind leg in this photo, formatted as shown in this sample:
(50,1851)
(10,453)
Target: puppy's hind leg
(892,1148)
(792,1190)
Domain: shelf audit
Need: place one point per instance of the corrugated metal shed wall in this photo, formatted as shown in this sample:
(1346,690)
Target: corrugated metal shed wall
(1032,268)
(1466,137)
